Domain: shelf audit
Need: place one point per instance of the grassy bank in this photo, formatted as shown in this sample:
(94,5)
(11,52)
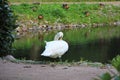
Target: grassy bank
(76,14)
(58,0)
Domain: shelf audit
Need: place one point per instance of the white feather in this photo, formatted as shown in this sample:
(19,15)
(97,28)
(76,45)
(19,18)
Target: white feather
(55,48)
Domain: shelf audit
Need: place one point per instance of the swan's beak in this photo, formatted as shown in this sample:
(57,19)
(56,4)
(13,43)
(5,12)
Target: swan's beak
(60,38)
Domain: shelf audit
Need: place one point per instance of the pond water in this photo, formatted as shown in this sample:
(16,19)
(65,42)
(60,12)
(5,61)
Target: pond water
(96,45)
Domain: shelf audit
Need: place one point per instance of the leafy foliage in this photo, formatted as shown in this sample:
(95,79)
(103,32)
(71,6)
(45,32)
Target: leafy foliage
(106,76)
(116,76)
(116,63)
(7,25)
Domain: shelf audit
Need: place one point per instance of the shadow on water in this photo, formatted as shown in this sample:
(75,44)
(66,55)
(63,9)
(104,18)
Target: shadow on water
(97,51)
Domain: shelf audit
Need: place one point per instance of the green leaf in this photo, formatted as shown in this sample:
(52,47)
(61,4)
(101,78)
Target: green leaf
(116,62)
(117,78)
(105,76)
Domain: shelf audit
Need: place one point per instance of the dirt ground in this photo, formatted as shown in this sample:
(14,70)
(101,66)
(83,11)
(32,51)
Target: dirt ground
(21,71)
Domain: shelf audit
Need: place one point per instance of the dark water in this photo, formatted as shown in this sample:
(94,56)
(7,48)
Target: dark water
(97,51)
(100,51)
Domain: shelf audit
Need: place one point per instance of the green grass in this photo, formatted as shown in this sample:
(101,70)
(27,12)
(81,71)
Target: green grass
(74,15)
(57,0)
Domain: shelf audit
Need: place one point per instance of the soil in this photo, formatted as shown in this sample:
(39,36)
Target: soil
(22,71)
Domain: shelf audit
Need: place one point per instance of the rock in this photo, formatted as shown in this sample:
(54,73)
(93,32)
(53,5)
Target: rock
(118,23)
(27,66)
(52,64)
(43,66)
(84,64)
(40,17)
(0,58)
(9,58)
(65,68)
(65,6)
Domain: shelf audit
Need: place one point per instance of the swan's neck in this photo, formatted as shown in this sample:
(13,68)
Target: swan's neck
(58,38)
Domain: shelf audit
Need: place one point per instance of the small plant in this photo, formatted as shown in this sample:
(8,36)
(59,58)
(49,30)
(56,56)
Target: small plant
(116,76)
(116,63)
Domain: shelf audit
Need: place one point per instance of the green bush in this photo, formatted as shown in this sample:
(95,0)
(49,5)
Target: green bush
(7,25)
(116,63)
(115,76)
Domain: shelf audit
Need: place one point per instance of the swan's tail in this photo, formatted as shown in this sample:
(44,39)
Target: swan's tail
(45,53)
(48,54)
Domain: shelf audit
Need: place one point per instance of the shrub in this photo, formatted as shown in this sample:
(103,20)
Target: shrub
(116,63)
(7,25)
(116,76)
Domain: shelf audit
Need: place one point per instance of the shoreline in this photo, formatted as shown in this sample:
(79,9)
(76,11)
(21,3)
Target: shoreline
(21,71)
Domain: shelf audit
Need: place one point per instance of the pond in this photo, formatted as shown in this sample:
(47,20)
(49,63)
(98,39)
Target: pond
(100,44)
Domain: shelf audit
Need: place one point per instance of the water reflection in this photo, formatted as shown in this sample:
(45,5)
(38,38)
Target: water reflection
(97,51)
(80,46)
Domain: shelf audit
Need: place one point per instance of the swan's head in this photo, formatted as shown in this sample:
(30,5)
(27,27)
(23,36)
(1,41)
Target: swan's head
(58,36)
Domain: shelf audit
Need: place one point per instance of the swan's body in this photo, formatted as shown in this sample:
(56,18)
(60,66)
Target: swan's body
(56,48)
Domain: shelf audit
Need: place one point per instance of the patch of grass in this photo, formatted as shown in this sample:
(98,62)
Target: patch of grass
(57,0)
(113,76)
(76,14)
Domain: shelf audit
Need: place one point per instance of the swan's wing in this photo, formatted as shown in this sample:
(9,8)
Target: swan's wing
(55,48)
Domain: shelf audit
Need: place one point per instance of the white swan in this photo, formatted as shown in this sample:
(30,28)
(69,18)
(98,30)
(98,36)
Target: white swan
(56,48)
